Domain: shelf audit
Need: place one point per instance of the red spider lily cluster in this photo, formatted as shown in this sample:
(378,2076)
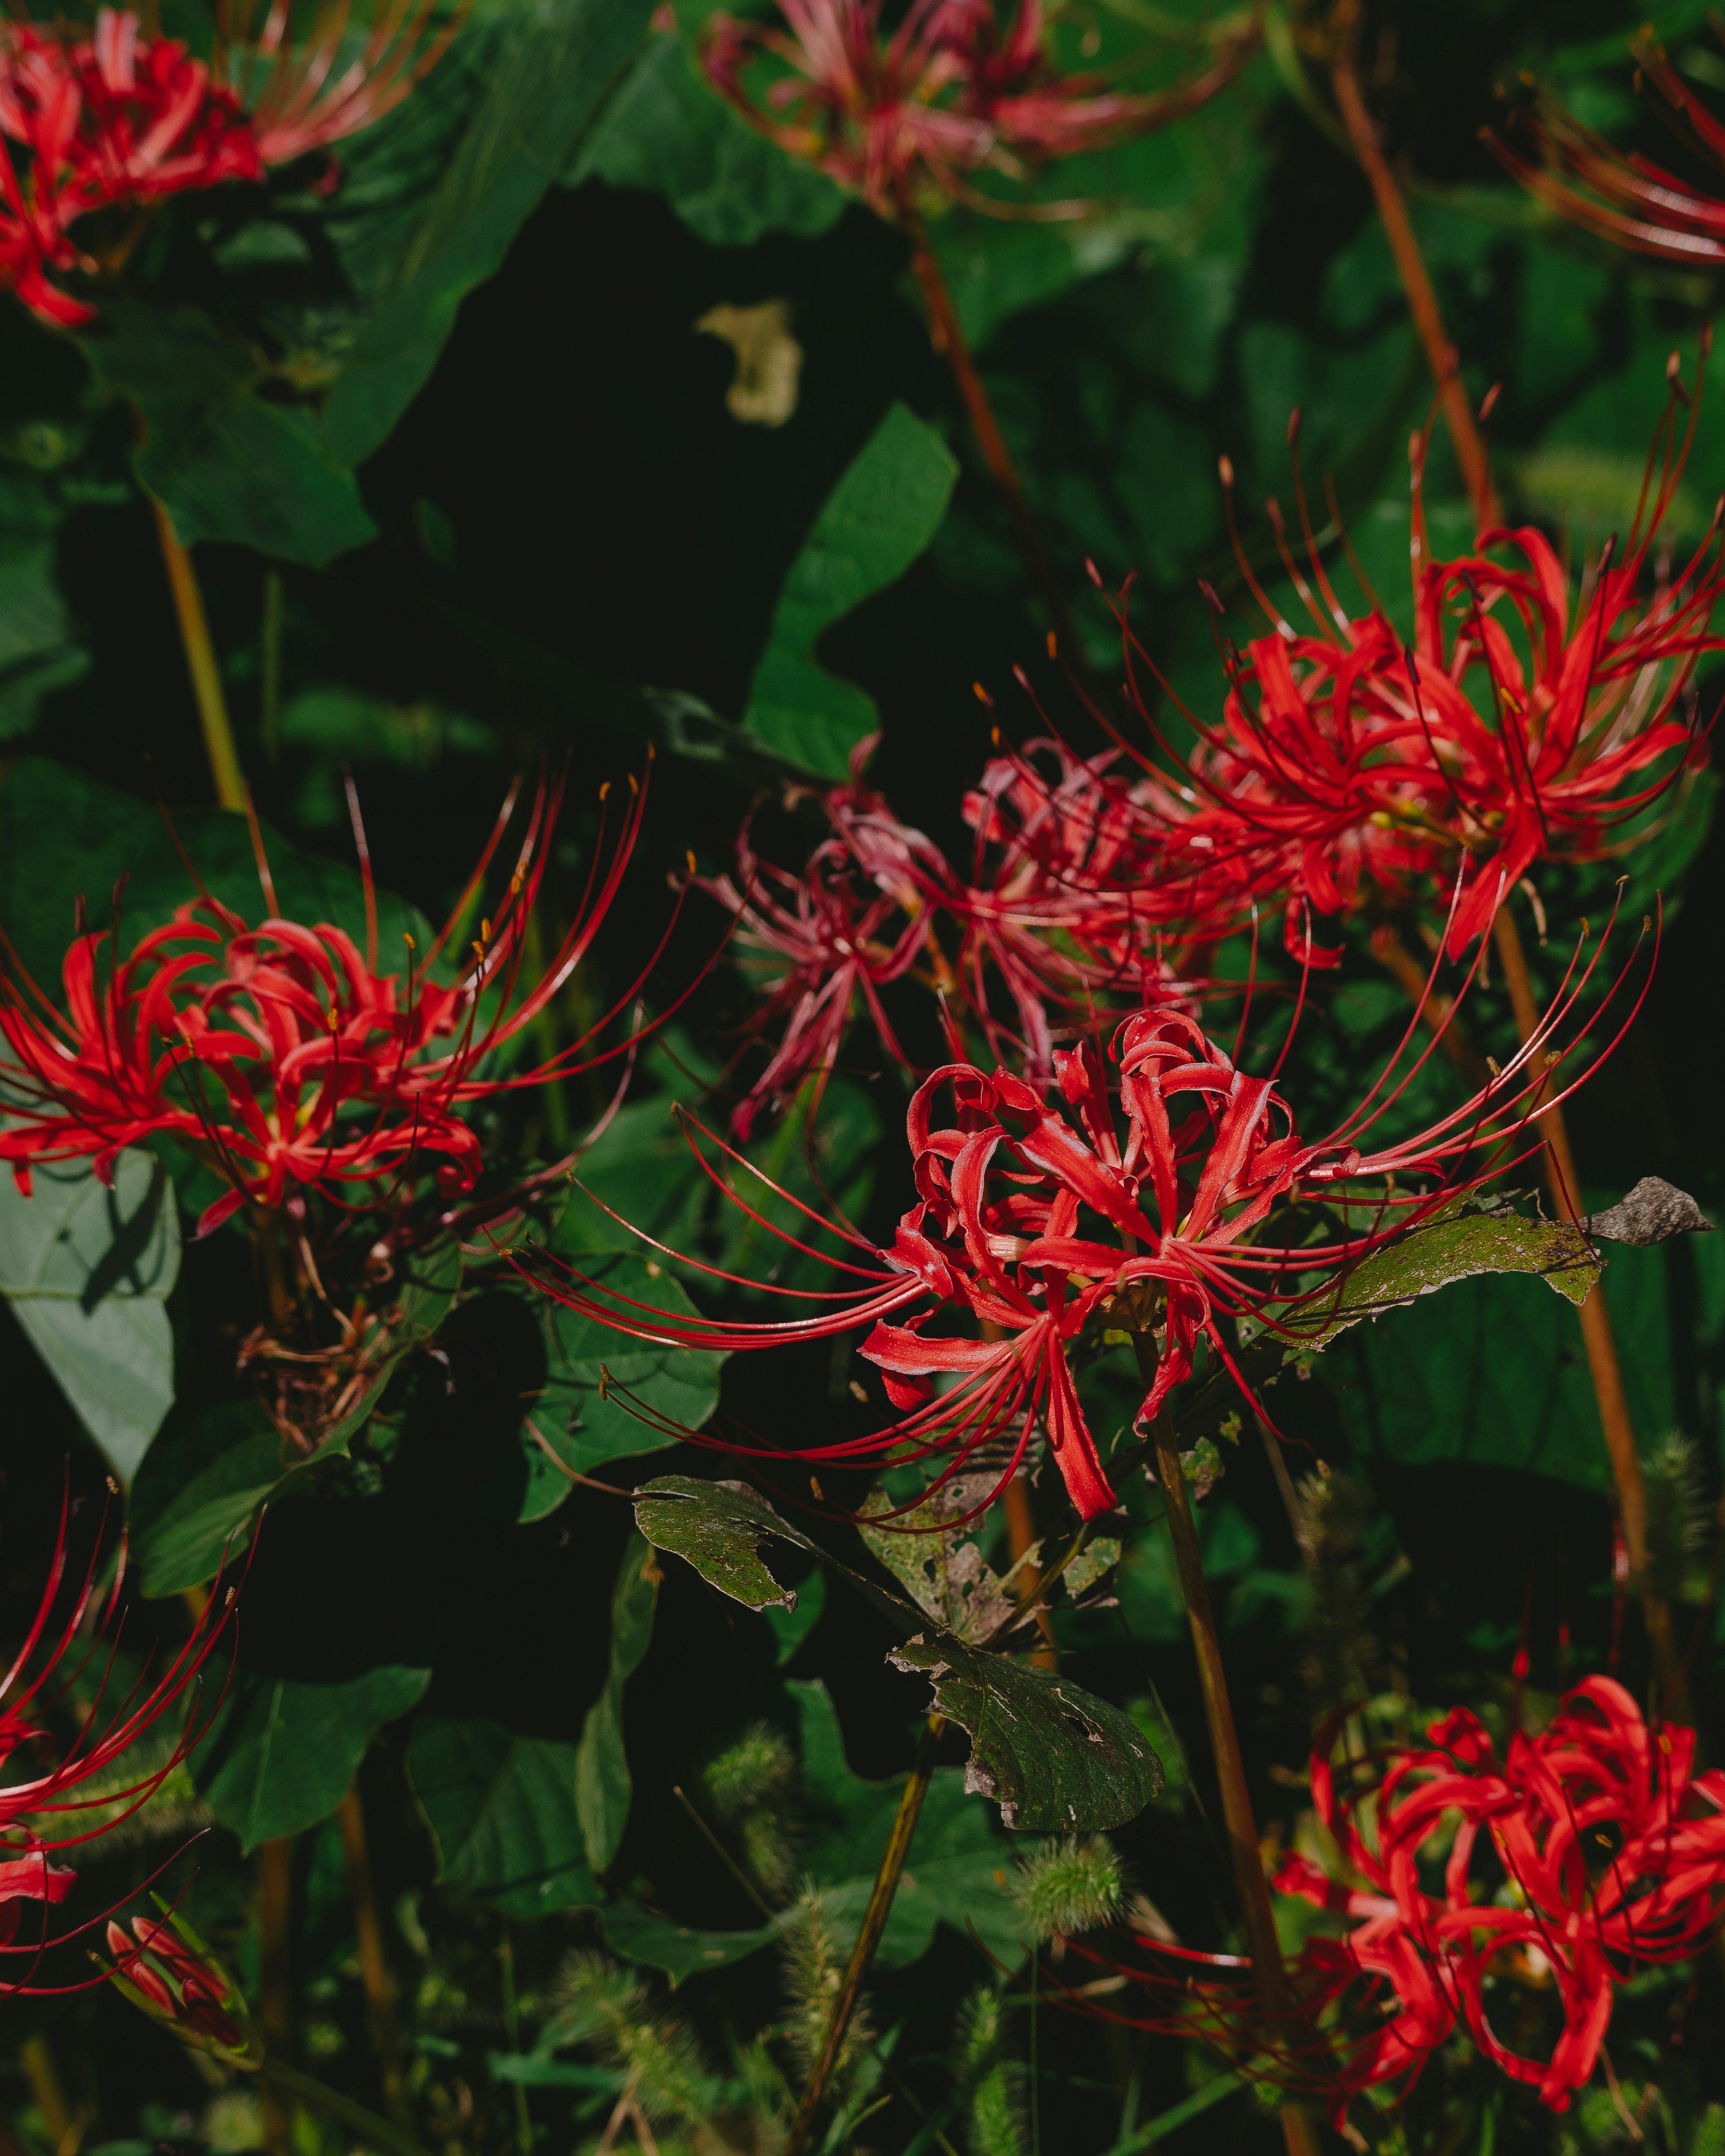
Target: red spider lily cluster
(949,93)
(1592,1850)
(1350,769)
(125,117)
(43,1815)
(1038,1220)
(1062,911)
(1621,195)
(280,1052)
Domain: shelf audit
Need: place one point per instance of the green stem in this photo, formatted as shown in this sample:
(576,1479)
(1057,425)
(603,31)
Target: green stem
(1275,2001)
(201,664)
(868,1938)
(377,2132)
(513,2030)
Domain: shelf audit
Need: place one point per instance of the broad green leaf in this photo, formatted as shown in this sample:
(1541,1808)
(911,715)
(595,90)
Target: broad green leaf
(225,463)
(666,131)
(587,1425)
(1055,1759)
(882,514)
(209,1475)
(87,1271)
(548,78)
(602,1787)
(37,652)
(502,1808)
(677,1950)
(956,1856)
(282,1753)
(720,1528)
(63,836)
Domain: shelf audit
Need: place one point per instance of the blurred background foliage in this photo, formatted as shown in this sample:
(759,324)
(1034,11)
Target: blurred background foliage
(454,447)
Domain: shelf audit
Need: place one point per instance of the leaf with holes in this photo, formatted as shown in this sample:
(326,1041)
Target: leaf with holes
(1055,1759)
(719,1528)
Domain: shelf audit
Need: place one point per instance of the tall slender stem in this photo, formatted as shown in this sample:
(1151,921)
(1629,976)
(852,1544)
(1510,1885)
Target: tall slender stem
(947,334)
(1410,268)
(201,664)
(1027,1581)
(868,1938)
(275,2005)
(1275,1998)
(373,1964)
(1558,1165)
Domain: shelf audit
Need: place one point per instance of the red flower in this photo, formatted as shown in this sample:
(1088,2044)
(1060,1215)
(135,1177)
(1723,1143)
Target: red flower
(1622,196)
(164,1966)
(280,1052)
(127,116)
(1349,768)
(40,1815)
(1037,1219)
(857,917)
(1612,1847)
(948,94)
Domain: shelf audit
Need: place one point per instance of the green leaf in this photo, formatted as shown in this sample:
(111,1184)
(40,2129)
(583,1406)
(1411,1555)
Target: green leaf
(666,131)
(1055,1759)
(720,1528)
(945,1575)
(37,652)
(1457,1247)
(502,1808)
(283,1754)
(677,1950)
(547,82)
(882,514)
(224,462)
(602,1787)
(791,1627)
(208,1474)
(956,1856)
(584,1425)
(63,836)
(88,1271)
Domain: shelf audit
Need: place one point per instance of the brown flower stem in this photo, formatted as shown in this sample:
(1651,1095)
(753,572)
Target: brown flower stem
(1558,1165)
(868,1938)
(1275,1998)
(1438,1014)
(946,333)
(1027,1583)
(275,2005)
(374,2133)
(373,1965)
(201,664)
(1410,268)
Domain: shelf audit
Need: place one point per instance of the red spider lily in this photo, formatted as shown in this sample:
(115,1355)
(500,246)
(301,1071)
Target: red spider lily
(1065,909)
(1612,1848)
(949,93)
(1038,1219)
(1070,903)
(127,116)
(39,1817)
(1621,195)
(280,1052)
(162,1966)
(1350,768)
(857,917)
